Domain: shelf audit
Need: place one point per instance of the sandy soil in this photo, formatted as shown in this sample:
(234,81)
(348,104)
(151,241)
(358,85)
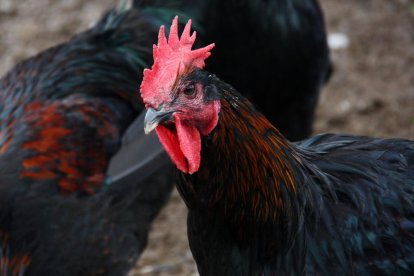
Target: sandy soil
(370,93)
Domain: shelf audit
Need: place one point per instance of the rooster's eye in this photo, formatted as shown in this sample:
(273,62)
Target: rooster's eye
(189,90)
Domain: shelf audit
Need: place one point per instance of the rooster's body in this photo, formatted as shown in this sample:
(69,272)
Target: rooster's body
(260,205)
(330,205)
(63,113)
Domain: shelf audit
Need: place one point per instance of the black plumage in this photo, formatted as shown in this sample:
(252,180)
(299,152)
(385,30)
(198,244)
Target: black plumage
(261,205)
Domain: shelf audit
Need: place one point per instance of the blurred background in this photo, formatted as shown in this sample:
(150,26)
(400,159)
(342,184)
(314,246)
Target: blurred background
(371,91)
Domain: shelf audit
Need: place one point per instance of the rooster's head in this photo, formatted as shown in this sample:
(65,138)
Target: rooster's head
(182,103)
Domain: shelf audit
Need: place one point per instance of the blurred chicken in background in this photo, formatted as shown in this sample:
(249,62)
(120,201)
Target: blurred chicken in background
(63,113)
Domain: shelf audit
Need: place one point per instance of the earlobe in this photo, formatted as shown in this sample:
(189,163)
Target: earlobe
(214,110)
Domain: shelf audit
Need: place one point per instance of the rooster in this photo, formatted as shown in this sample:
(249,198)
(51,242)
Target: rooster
(261,205)
(71,203)
(282,58)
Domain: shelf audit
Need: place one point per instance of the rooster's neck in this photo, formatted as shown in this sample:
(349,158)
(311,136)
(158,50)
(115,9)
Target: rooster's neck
(248,169)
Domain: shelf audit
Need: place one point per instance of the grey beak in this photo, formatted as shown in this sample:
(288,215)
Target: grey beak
(154,117)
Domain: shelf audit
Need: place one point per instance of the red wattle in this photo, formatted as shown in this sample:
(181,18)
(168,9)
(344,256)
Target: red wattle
(190,144)
(169,140)
(183,146)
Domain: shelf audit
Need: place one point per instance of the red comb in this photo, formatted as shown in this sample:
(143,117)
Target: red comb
(170,60)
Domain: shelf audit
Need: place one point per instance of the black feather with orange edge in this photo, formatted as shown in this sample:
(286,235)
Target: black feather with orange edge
(260,205)
(63,114)
(57,148)
(11,265)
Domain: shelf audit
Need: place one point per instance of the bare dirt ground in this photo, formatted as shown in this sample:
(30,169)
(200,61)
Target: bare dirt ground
(370,93)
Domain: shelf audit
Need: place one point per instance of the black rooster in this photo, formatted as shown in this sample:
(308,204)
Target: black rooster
(62,115)
(260,205)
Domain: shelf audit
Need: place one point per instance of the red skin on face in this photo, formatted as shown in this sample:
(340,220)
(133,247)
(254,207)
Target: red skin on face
(171,59)
(183,144)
